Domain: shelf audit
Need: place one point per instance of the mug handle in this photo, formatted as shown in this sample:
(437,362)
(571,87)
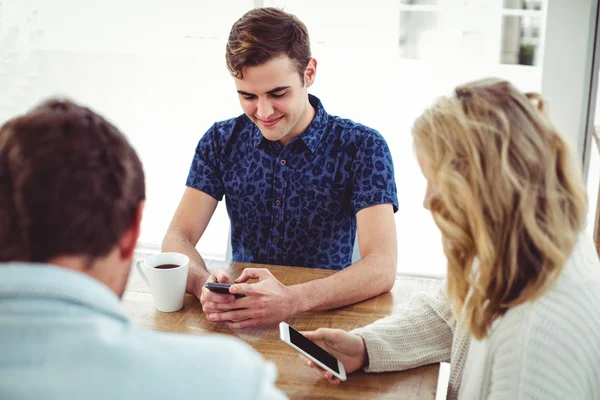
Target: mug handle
(141,272)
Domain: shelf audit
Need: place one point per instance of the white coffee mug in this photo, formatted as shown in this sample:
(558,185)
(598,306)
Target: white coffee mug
(166,284)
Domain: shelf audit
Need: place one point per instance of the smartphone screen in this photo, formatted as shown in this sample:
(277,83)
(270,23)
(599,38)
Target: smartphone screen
(314,350)
(218,287)
(222,288)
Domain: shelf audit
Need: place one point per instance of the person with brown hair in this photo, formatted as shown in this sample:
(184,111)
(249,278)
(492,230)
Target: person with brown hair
(299,184)
(71,197)
(518,316)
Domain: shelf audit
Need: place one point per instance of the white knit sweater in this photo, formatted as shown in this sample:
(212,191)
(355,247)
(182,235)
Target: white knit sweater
(546,349)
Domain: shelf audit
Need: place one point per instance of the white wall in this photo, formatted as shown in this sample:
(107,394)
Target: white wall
(569,48)
(157,70)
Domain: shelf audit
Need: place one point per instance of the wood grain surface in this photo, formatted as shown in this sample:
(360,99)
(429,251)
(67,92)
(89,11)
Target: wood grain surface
(298,381)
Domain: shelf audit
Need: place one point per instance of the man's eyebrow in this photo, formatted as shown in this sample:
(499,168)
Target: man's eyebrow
(278,89)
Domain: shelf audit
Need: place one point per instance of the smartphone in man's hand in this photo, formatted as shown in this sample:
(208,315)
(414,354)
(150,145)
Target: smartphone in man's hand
(221,288)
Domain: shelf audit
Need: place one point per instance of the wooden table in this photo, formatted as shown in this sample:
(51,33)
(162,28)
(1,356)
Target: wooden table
(298,381)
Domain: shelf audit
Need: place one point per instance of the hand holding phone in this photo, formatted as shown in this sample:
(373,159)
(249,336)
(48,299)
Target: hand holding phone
(329,365)
(221,288)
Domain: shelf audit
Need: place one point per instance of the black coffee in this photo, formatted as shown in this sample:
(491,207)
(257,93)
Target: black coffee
(167,266)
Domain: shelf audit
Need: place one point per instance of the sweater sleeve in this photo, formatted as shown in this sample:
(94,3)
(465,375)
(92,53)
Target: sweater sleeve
(419,333)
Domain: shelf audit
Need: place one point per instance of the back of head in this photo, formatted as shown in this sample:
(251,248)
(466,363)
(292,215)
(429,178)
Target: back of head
(264,33)
(508,194)
(70,184)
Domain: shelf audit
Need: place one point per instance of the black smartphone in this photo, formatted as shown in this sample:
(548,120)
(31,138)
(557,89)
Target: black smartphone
(222,288)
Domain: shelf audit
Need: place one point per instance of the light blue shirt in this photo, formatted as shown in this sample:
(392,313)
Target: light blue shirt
(64,335)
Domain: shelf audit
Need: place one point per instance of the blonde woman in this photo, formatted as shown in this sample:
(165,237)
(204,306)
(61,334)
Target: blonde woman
(519,314)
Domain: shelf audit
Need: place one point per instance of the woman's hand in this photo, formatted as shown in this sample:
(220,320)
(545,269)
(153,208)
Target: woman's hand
(348,348)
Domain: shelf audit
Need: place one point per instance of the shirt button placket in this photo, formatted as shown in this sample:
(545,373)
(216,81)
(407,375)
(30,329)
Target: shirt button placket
(278,209)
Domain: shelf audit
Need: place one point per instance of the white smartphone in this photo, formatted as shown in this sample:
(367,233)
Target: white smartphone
(312,351)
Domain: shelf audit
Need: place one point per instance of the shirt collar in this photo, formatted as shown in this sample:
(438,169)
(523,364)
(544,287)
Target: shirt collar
(313,135)
(45,281)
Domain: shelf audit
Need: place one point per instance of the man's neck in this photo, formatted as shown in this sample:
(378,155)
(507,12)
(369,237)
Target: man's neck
(75,263)
(302,125)
(106,270)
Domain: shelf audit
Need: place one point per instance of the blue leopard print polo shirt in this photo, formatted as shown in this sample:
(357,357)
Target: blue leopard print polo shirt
(295,205)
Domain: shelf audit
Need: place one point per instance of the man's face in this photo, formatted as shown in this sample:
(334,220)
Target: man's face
(273,97)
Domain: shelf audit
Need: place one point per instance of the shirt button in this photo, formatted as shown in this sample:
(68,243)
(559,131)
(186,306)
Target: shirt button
(275,240)
(277,202)
(282,162)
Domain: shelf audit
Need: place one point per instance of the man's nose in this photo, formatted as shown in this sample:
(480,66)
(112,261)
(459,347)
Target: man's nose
(264,109)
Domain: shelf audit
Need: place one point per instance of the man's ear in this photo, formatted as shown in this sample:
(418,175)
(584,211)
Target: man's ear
(129,239)
(310,72)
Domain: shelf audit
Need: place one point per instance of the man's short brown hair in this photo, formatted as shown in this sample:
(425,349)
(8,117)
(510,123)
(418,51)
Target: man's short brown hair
(70,184)
(264,33)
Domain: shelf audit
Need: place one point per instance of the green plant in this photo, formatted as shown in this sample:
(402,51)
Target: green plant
(527,49)
(526,53)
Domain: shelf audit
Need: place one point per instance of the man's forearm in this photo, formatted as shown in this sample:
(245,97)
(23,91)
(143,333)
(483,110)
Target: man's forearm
(373,275)
(178,242)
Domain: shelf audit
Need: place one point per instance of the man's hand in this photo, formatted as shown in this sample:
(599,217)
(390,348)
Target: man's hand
(349,348)
(266,302)
(209,299)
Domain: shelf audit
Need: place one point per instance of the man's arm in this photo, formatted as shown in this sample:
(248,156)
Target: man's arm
(269,301)
(189,223)
(372,275)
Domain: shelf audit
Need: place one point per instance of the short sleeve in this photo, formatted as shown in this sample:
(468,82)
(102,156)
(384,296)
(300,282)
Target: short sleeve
(373,175)
(205,174)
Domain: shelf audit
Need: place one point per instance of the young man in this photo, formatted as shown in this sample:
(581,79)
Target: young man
(71,197)
(299,185)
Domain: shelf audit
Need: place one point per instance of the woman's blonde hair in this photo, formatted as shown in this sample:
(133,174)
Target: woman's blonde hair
(507,194)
